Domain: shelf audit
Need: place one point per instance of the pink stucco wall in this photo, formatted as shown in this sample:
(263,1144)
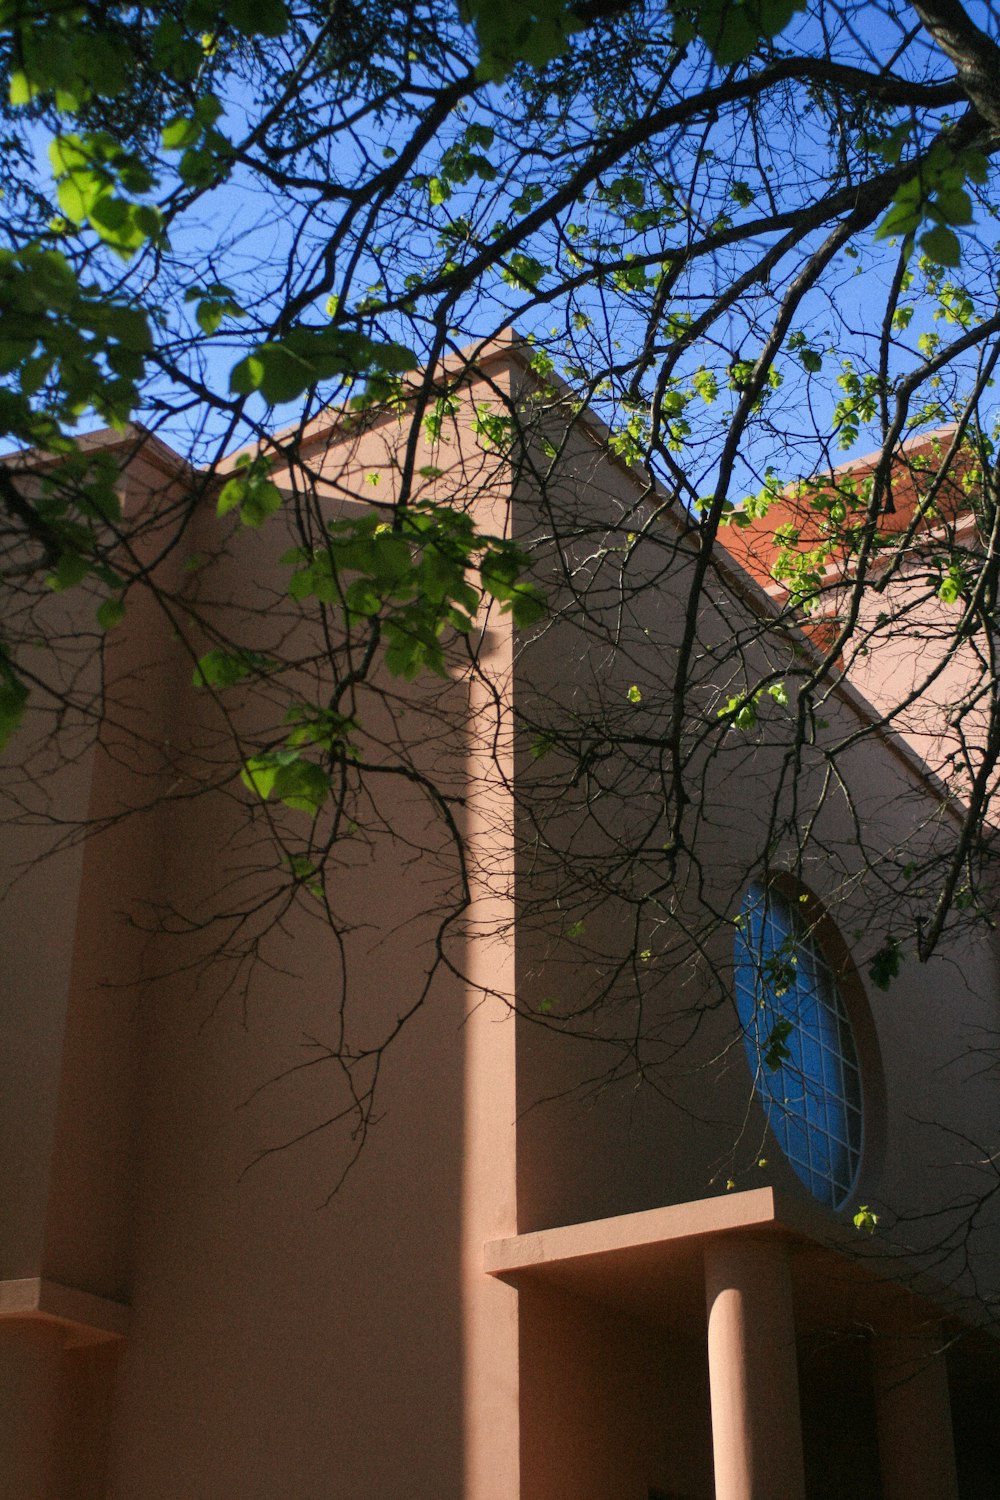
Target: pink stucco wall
(289,1344)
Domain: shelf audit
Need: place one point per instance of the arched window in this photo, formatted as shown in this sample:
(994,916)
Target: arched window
(799,1043)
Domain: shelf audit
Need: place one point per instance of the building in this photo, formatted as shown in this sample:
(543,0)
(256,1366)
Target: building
(909,637)
(517,1275)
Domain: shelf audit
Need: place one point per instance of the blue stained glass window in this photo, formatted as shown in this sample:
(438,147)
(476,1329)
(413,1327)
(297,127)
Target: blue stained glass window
(799,1044)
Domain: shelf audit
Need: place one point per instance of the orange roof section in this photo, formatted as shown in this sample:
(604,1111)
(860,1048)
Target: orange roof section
(792,519)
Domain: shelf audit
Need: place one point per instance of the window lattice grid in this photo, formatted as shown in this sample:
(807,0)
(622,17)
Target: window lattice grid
(799,1044)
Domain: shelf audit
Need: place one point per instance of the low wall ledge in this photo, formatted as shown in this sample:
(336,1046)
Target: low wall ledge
(86,1318)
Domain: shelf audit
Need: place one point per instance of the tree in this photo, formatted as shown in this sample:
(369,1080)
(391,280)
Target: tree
(750,238)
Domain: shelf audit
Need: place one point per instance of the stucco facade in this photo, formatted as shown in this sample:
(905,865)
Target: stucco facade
(546,1275)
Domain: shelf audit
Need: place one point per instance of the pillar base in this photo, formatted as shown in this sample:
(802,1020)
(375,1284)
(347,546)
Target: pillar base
(753,1370)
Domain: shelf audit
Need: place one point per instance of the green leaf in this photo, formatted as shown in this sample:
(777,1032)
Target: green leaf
(527,605)
(886,964)
(303,786)
(901,219)
(21,90)
(776,1048)
(259,774)
(78,194)
(257,17)
(208,110)
(954,205)
(221,669)
(71,569)
(283,370)
(251,491)
(524,271)
(941,245)
(743,712)
(209,316)
(179,133)
(499,570)
(706,385)
(263,499)
(512,31)
(396,359)
(111,613)
(125,227)
(731,31)
(247,376)
(13,700)
(299,784)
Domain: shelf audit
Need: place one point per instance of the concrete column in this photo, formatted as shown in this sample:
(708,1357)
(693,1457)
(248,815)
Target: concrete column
(913,1413)
(31,1415)
(753,1373)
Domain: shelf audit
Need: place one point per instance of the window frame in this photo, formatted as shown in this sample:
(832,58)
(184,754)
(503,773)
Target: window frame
(824,1133)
